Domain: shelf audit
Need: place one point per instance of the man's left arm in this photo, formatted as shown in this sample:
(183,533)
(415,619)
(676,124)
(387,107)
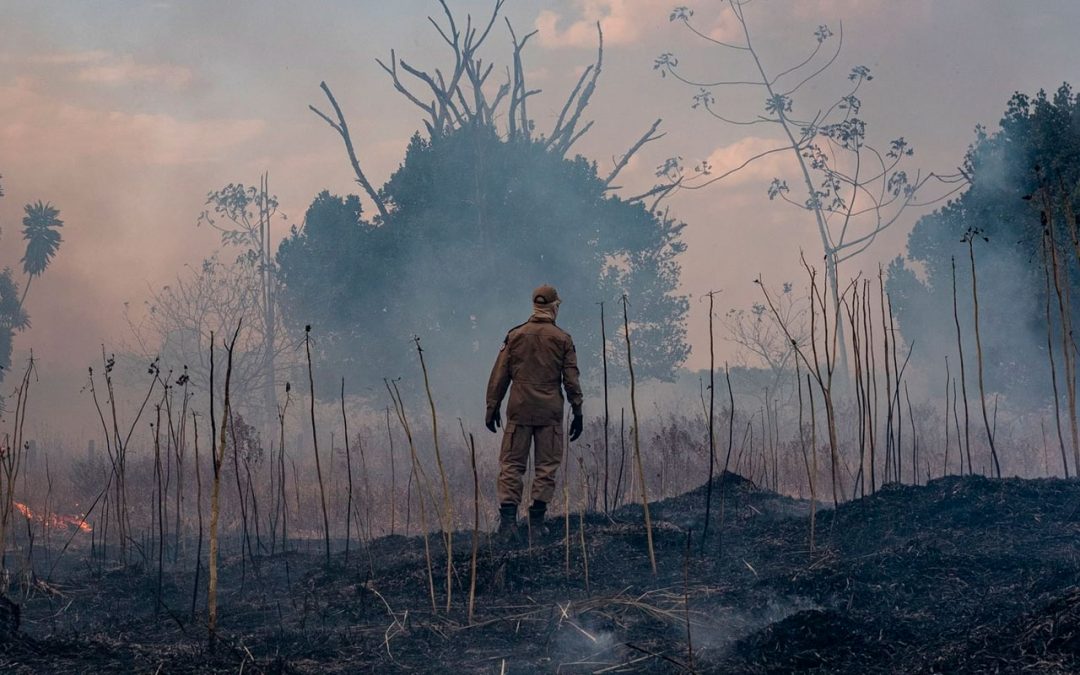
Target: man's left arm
(572,377)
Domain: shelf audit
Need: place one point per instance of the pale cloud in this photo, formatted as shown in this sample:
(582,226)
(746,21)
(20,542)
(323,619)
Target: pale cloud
(835,9)
(760,171)
(106,68)
(57,58)
(725,27)
(625,22)
(539,73)
(125,70)
(34,124)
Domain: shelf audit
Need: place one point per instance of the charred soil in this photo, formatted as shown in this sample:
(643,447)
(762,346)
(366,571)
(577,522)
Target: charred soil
(960,575)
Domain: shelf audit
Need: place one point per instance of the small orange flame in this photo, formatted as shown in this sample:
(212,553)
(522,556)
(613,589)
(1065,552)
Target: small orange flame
(55,521)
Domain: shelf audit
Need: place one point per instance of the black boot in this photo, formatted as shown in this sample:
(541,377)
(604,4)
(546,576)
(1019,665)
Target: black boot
(508,527)
(537,529)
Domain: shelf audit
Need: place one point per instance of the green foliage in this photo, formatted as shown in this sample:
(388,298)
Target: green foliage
(40,226)
(12,317)
(1038,134)
(475,224)
(40,230)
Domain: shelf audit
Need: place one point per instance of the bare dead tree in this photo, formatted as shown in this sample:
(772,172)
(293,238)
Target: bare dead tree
(342,127)
(761,339)
(462,96)
(244,217)
(854,190)
(820,363)
(177,318)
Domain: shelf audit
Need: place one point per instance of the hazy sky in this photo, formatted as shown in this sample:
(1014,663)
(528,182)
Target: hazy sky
(124,114)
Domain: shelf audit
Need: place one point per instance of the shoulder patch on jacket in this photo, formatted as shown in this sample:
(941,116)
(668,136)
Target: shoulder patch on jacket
(506,340)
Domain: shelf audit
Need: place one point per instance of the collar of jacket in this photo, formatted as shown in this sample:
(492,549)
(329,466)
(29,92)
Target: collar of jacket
(541,319)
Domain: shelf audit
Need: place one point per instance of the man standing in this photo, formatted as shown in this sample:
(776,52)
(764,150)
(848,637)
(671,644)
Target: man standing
(539,358)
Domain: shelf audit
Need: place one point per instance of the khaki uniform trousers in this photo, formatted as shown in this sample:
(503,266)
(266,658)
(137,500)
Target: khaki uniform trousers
(514,458)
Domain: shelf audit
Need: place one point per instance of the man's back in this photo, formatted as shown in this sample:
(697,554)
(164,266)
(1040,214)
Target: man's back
(539,358)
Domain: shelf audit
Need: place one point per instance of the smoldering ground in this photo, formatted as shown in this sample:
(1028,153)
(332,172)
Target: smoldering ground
(903,580)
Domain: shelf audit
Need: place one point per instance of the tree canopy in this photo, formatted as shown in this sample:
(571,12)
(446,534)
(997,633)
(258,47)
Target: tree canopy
(1038,142)
(475,222)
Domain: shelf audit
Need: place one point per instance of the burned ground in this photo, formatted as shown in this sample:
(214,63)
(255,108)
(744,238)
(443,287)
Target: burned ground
(961,575)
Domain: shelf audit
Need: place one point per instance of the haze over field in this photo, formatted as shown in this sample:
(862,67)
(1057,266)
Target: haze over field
(125,115)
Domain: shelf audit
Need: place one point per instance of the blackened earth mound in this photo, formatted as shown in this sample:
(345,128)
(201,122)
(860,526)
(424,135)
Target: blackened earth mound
(960,575)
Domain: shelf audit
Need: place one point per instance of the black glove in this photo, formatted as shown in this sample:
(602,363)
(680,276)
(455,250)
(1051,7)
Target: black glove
(494,420)
(576,425)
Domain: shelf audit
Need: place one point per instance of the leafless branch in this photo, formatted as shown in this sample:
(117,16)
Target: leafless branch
(342,127)
(823,68)
(647,137)
(564,136)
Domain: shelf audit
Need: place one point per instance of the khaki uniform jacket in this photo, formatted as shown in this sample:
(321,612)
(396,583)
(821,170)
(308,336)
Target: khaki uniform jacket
(539,358)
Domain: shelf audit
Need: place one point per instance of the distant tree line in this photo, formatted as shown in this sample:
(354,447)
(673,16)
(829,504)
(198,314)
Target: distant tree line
(1036,148)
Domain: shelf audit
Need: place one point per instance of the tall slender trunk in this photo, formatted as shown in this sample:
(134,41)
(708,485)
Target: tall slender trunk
(872,406)
(888,382)
(348,468)
(246,541)
(637,438)
(283,488)
(956,426)
(1068,355)
(215,505)
(269,301)
(963,376)
(393,473)
(315,444)
(979,357)
(948,380)
(448,508)
(898,375)
(160,510)
(712,430)
(476,526)
(622,456)
(1074,228)
(607,424)
(727,456)
(1053,366)
(813,466)
(198,508)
